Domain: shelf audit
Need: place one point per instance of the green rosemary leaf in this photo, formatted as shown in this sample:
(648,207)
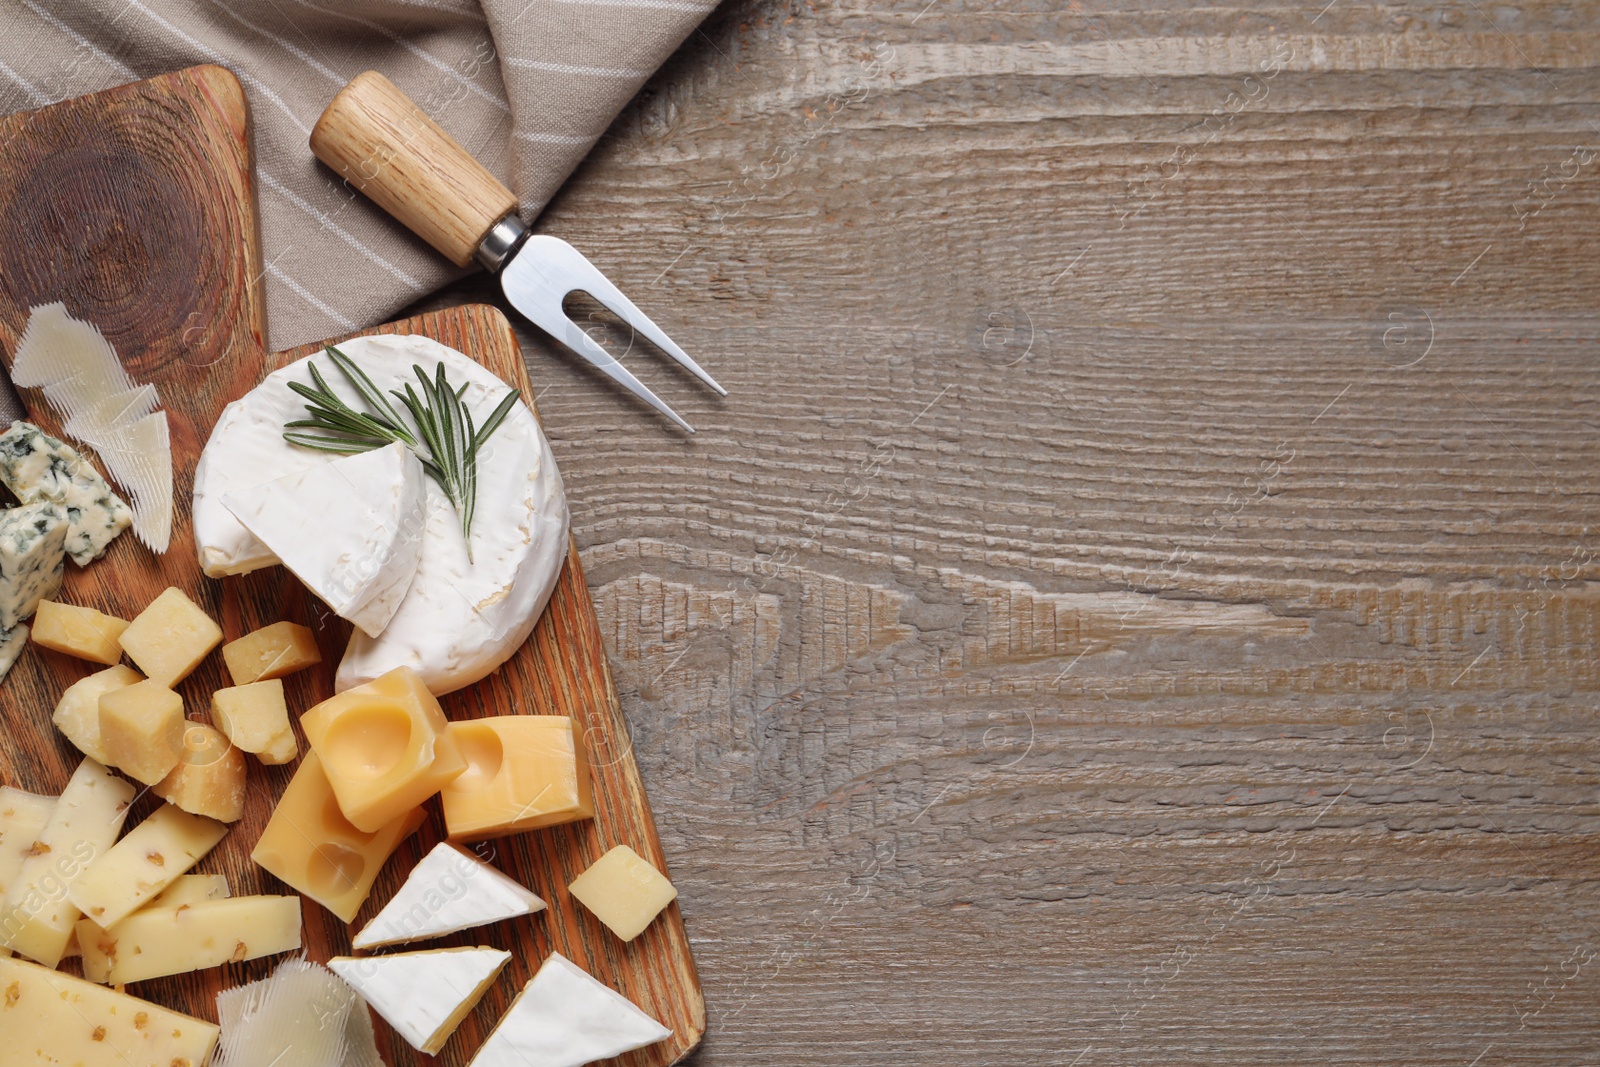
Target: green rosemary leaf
(492,423)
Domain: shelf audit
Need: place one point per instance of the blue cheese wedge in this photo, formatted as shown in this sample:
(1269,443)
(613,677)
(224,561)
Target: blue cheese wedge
(32,558)
(38,469)
(12,642)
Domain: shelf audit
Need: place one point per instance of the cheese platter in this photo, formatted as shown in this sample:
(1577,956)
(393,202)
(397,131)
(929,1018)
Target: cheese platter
(355,689)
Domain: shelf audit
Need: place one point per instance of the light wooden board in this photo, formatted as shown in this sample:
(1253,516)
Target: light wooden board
(1322,787)
(136,208)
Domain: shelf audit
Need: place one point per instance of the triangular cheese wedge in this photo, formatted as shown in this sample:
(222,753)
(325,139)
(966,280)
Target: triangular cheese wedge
(450,890)
(564,1018)
(423,995)
(350,529)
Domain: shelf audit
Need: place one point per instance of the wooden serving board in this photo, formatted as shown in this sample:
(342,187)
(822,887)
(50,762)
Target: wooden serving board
(135,207)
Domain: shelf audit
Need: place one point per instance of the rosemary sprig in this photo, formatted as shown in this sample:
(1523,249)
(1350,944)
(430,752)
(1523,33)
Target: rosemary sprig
(445,441)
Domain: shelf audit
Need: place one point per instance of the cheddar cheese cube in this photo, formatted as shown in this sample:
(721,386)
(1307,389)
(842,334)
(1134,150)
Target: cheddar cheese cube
(384,746)
(168,639)
(255,717)
(271,652)
(209,778)
(523,772)
(141,730)
(623,891)
(78,631)
(311,846)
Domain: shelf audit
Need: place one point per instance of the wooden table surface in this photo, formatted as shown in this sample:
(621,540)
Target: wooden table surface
(1138,602)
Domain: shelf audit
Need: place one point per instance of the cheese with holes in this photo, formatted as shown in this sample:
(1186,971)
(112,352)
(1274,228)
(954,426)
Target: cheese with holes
(79,631)
(565,1018)
(311,846)
(36,918)
(77,713)
(255,717)
(154,943)
(271,652)
(461,619)
(141,730)
(350,529)
(38,468)
(423,995)
(449,891)
(623,891)
(49,1019)
(168,639)
(31,559)
(210,776)
(523,772)
(143,863)
(192,889)
(384,747)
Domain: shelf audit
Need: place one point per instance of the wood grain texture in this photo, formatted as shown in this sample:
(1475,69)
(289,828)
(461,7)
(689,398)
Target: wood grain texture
(561,670)
(1137,603)
(387,147)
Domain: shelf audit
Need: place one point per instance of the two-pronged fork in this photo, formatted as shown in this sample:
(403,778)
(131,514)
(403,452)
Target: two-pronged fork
(387,148)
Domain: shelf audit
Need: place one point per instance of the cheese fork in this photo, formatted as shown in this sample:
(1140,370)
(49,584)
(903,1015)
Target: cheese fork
(389,149)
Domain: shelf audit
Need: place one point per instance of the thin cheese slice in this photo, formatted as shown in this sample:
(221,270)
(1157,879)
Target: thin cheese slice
(143,863)
(450,890)
(55,1020)
(36,918)
(22,817)
(191,937)
(423,995)
(300,1016)
(564,1018)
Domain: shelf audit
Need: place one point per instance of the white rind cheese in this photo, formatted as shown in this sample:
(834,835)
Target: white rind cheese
(32,559)
(449,891)
(423,995)
(351,529)
(565,1018)
(460,620)
(37,467)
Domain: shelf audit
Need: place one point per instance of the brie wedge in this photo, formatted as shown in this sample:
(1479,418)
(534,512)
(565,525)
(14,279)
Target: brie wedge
(461,619)
(423,995)
(450,890)
(564,1018)
(351,530)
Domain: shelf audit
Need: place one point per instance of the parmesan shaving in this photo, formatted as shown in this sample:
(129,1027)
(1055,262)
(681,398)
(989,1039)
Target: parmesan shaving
(78,371)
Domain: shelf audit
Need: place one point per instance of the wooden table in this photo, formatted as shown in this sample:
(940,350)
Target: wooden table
(1137,603)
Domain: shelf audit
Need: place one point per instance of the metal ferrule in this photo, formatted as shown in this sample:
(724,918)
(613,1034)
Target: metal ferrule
(501,240)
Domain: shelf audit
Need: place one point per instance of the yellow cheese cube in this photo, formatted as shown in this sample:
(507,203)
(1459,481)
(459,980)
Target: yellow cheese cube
(623,891)
(310,845)
(271,652)
(141,730)
(209,778)
(55,1020)
(523,772)
(154,943)
(143,863)
(168,639)
(383,746)
(78,631)
(77,714)
(255,717)
(191,889)
(36,918)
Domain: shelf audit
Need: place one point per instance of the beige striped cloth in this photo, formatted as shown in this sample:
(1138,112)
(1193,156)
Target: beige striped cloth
(527,86)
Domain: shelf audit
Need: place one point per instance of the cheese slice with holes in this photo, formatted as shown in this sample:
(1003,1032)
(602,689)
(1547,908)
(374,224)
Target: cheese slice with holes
(564,1018)
(423,995)
(351,530)
(450,890)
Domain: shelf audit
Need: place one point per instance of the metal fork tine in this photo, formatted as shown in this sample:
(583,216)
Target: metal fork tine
(589,349)
(576,272)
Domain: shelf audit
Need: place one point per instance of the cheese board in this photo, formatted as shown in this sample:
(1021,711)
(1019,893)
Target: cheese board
(135,207)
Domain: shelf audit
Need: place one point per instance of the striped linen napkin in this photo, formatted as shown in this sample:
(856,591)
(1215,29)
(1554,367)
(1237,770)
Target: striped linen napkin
(527,86)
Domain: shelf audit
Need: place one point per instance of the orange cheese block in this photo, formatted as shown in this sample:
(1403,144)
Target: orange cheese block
(523,772)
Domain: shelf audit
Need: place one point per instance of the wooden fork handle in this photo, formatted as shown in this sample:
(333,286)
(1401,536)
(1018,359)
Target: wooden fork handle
(387,148)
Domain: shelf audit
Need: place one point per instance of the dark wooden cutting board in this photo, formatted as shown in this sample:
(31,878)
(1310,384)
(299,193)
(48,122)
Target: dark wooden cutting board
(135,206)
